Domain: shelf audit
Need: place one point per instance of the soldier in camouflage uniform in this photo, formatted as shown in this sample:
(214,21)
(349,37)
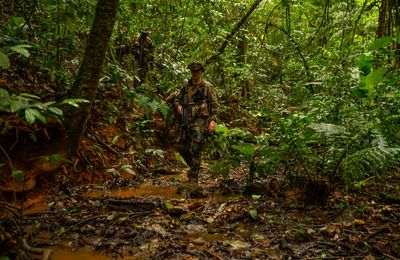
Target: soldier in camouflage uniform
(142,49)
(196,97)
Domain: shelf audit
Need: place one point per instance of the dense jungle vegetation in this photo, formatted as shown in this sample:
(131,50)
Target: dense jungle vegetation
(304,162)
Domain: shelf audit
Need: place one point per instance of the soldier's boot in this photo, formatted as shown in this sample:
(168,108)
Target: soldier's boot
(193,175)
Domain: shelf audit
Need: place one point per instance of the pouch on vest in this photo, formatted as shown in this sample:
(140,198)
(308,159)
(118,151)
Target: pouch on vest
(204,110)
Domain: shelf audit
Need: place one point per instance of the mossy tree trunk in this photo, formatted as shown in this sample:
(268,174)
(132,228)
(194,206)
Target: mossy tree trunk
(86,83)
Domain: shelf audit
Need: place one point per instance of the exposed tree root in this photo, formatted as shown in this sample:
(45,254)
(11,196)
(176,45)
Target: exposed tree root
(45,252)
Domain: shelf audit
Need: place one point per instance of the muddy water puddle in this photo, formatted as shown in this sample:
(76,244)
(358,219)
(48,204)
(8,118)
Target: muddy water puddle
(141,191)
(61,253)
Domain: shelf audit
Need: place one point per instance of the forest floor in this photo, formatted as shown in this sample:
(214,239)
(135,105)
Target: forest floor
(160,216)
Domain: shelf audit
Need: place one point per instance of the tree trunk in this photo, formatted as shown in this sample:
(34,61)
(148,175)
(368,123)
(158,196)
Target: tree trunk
(86,83)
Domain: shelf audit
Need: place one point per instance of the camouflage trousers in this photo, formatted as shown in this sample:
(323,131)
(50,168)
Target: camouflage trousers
(192,145)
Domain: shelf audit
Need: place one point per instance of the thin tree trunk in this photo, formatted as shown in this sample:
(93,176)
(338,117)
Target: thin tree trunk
(86,83)
(235,30)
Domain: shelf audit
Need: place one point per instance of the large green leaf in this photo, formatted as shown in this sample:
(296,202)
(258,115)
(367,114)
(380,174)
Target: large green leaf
(245,149)
(29,116)
(18,104)
(374,78)
(221,130)
(74,101)
(21,49)
(18,175)
(39,116)
(30,96)
(127,168)
(4,60)
(5,100)
(56,111)
(380,43)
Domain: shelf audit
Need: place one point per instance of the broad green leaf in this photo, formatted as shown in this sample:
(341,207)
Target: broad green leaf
(221,130)
(2,165)
(168,205)
(4,60)
(61,230)
(179,158)
(5,100)
(55,158)
(253,213)
(115,139)
(39,116)
(17,20)
(246,149)
(30,96)
(56,111)
(21,49)
(111,170)
(127,168)
(380,43)
(29,116)
(374,78)
(18,175)
(74,101)
(17,104)
(255,197)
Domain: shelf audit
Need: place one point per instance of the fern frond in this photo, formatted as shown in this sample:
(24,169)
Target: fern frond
(150,106)
(333,133)
(165,110)
(374,160)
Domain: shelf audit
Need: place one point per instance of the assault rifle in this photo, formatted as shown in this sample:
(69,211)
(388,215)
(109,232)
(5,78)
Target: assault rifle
(185,117)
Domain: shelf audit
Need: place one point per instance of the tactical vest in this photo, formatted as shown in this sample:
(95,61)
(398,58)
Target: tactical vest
(197,100)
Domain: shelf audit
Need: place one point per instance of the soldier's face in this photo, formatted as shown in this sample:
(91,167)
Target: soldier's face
(196,75)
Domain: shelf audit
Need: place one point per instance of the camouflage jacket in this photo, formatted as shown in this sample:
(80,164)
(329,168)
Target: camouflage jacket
(201,99)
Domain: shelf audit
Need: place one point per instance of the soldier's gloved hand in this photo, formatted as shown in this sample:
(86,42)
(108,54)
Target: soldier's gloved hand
(179,109)
(211,127)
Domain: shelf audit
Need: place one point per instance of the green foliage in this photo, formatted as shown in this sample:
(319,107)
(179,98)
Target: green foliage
(151,105)
(17,175)
(5,52)
(30,107)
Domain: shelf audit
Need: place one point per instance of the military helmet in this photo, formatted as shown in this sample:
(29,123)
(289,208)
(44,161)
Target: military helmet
(145,31)
(196,66)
